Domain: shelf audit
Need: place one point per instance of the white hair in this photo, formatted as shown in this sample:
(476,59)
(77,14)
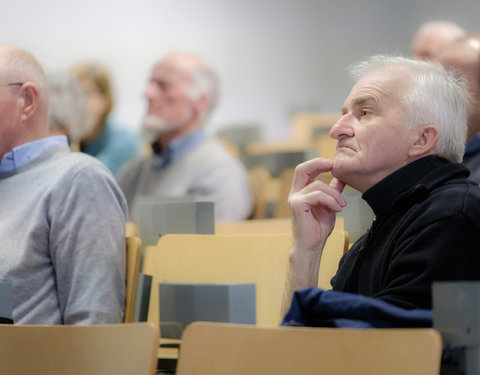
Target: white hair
(436,96)
(68,106)
(204,81)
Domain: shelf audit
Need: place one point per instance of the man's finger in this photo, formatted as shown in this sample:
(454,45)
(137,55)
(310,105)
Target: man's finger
(306,172)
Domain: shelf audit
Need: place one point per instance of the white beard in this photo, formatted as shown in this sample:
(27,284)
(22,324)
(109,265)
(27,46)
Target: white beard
(158,126)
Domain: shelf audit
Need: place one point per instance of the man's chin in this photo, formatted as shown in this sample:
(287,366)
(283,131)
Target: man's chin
(157,126)
(339,169)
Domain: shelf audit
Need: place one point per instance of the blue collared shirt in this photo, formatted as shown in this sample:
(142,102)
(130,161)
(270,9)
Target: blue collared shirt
(177,148)
(25,153)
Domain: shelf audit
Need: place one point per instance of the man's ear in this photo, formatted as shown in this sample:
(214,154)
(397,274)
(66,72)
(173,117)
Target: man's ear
(425,139)
(201,104)
(29,97)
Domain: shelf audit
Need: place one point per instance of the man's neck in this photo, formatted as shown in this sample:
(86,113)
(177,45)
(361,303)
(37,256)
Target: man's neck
(165,139)
(21,140)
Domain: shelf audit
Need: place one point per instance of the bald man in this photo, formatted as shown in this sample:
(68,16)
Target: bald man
(433,37)
(63,215)
(464,57)
(181,94)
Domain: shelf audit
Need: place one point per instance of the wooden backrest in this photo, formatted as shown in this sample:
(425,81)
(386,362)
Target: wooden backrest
(134,248)
(120,349)
(260,259)
(335,247)
(326,146)
(131,229)
(306,124)
(218,349)
(264,226)
(259,178)
(258,226)
(285,180)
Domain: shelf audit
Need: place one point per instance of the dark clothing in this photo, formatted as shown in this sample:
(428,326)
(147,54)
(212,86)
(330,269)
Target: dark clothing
(314,307)
(427,228)
(471,159)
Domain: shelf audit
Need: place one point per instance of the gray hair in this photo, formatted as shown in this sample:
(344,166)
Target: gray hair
(68,106)
(436,96)
(204,80)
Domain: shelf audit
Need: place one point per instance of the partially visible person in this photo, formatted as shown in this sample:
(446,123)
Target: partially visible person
(181,94)
(108,142)
(400,142)
(63,215)
(433,37)
(68,108)
(464,57)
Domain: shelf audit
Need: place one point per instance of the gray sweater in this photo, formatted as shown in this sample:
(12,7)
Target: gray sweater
(62,227)
(207,172)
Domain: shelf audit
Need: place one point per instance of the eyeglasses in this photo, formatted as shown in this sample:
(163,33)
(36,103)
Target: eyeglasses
(12,84)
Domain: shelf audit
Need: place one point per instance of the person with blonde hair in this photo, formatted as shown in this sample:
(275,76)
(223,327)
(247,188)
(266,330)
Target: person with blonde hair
(108,142)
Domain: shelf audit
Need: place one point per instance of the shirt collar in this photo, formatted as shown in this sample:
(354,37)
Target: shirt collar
(25,153)
(411,182)
(177,148)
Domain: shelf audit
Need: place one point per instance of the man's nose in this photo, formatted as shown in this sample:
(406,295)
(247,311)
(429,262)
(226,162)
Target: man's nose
(150,91)
(343,127)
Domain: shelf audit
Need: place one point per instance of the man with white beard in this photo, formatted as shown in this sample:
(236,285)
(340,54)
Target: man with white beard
(185,161)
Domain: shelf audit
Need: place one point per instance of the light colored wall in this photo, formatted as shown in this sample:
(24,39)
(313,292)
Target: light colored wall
(273,56)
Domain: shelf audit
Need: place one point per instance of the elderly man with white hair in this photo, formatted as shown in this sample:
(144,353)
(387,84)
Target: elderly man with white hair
(185,162)
(63,215)
(400,142)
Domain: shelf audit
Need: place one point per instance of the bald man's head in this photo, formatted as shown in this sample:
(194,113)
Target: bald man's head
(464,57)
(433,37)
(24,99)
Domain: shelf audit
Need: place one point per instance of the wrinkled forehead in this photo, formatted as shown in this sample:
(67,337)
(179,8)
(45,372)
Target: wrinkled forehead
(382,84)
(172,70)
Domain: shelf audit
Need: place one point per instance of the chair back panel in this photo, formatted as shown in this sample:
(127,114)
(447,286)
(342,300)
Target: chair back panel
(218,349)
(260,259)
(120,349)
(134,250)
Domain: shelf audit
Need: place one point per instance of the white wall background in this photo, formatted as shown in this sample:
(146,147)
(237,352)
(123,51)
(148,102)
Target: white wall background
(273,56)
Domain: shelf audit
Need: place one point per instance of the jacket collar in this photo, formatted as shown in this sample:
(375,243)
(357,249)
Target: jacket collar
(412,183)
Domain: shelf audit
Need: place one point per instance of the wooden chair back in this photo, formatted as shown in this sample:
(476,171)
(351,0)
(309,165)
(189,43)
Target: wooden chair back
(307,125)
(259,178)
(264,226)
(218,349)
(134,250)
(260,259)
(257,226)
(326,146)
(284,186)
(131,229)
(120,349)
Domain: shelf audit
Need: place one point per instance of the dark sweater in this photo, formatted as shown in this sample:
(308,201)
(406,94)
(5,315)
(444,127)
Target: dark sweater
(426,228)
